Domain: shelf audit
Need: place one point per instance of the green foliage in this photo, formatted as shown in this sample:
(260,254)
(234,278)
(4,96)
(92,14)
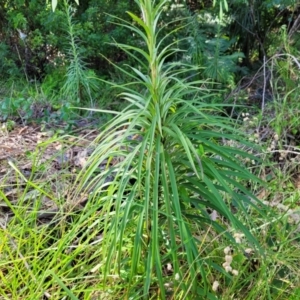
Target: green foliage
(79,84)
(29,103)
(205,43)
(253,24)
(20,107)
(93,27)
(8,66)
(45,46)
(53,84)
(162,182)
(222,66)
(251,27)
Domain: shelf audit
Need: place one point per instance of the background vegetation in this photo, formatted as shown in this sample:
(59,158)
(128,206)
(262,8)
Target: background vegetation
(150,149)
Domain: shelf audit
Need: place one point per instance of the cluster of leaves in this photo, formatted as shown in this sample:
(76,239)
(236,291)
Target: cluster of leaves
(15,107)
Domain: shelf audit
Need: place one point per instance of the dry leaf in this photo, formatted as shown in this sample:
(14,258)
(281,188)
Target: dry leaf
(81,158)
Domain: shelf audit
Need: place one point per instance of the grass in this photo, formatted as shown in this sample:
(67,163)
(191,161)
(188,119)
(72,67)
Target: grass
(60,258)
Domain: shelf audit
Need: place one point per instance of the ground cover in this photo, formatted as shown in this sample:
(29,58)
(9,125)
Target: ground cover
(39,210)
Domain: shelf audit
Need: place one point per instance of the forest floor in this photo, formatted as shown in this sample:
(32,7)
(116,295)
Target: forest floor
(32,150)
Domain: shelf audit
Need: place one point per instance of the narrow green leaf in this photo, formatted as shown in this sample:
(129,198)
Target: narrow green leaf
(63,286)
(54,4)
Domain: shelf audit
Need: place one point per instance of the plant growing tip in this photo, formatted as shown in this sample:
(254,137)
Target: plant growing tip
(54,4)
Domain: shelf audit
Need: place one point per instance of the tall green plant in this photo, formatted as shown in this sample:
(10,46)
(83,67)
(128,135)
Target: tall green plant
(210,48)
(78,85)
(163,165)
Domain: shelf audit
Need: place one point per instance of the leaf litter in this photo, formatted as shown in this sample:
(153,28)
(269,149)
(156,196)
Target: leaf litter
(29,154)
